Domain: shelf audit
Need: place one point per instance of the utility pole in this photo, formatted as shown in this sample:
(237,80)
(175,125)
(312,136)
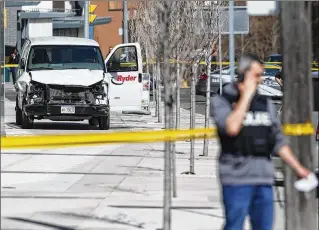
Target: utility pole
(86,19)
(125,20)
(301,208)
(2,58)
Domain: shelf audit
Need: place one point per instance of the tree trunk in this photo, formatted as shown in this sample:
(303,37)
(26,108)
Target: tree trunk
(158,91)
(154,98)
(301,208)
(207,109)
(177,125)
(168,89)
(192,120)
(178,96)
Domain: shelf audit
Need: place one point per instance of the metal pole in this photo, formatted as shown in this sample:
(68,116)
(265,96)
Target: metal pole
(220,54)
(125,20)
(207,106)
(86,19)
(192,121)
(231,39)
(301,208)
(2,58)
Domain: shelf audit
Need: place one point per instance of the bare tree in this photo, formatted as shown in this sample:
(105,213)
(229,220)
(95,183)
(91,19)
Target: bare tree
(184,30)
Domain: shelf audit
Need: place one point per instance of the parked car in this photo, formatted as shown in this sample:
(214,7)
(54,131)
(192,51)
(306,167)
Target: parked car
(275,58)
(269,79)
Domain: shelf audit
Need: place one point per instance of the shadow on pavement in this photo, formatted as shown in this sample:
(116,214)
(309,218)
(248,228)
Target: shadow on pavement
(160,207)
(201,213)
(121,219)
(160,150)
(66,126)
(75,126)
(44,224)
(142,168)
(66,172)
(74,154)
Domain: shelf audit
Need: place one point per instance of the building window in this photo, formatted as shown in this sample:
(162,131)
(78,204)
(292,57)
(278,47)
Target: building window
(66,32)
(78,7)
(59,5)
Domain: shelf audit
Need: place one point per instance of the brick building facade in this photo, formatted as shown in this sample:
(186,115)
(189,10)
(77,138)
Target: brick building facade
(107,35)
(11,30)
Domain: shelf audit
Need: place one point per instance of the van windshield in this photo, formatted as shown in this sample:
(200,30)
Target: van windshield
(61,57)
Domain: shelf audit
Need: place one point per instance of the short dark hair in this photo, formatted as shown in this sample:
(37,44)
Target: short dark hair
(245,62)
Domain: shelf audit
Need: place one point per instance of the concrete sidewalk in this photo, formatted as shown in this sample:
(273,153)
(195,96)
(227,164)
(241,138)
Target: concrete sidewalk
(110,187)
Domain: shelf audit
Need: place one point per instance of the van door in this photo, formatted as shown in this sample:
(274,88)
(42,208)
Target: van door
(124,71)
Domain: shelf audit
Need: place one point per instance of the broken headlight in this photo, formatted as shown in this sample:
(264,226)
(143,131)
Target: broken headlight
(36,88)
(98,89)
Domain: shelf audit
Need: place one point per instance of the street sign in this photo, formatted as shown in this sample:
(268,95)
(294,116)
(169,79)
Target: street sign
(262,8)
(241,20)
(92,16)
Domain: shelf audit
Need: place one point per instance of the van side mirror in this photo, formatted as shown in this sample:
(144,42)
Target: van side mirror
(22,63)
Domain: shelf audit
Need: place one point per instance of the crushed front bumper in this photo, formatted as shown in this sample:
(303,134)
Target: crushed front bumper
(55,110)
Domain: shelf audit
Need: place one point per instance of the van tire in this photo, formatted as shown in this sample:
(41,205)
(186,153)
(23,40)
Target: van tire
(27,122)
(93,121)
(18,113)
(104,122)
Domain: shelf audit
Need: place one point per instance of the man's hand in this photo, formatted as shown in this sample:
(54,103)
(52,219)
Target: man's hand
(249,86)
(302,172)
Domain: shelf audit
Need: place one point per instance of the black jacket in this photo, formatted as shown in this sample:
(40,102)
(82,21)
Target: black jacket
(14,60)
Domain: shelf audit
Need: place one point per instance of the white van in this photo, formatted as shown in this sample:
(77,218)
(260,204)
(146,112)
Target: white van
(62,79)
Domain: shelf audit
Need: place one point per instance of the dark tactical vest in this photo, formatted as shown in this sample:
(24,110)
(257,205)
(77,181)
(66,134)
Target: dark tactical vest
(256,137)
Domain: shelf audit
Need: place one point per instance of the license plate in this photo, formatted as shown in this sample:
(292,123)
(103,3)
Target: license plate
(215,80)
(68,109)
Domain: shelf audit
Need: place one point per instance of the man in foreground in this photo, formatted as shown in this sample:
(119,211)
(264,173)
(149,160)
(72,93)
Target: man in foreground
(249,133)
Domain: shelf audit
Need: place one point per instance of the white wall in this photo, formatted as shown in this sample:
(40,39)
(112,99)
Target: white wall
(43,6)
(40,27)
(68,5)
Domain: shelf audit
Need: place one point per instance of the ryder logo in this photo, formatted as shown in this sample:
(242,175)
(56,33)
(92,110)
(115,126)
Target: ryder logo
(120,79)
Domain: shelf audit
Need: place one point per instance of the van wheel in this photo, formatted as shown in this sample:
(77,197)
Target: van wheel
(93,121)
(27,122)
(18,113)
(104,123)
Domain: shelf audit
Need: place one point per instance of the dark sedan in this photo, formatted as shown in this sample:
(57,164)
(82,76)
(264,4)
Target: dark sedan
(214,85)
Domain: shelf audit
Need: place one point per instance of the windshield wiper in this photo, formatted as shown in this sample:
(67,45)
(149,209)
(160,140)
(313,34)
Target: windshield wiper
(41,68)
(75,68)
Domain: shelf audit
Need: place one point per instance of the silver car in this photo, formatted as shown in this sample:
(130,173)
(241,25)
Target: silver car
(269,87)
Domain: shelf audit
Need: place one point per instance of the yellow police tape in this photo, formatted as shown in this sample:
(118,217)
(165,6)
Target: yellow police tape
(89,139)
(9,65)
(71,140)
(302,129)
